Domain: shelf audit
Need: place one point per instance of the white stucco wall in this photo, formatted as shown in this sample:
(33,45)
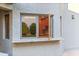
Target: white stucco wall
(37,8)
(71,31)
(41,49)
(5,44)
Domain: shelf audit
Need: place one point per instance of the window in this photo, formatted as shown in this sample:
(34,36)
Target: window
(43,26)
(35,26)
(7,26)
(28,26)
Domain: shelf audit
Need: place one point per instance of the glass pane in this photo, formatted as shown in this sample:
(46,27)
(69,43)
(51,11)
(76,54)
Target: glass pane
(43,26)
(28,26)
(7,26)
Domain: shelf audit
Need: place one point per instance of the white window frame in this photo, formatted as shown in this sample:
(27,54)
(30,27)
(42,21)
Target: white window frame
(37,27)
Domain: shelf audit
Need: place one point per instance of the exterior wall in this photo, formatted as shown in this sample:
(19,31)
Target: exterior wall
(71,31)
(5,44)
(34,8)
(29,8)
(38,49)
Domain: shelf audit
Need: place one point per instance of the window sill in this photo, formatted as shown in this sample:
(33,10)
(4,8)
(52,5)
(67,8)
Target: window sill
(26,40)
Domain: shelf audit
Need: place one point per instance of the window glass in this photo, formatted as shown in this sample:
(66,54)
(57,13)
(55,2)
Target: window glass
(43,26)
(28,26)
(35,26)
(7,26)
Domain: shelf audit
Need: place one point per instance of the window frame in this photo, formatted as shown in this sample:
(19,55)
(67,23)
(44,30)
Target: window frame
(37,25)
